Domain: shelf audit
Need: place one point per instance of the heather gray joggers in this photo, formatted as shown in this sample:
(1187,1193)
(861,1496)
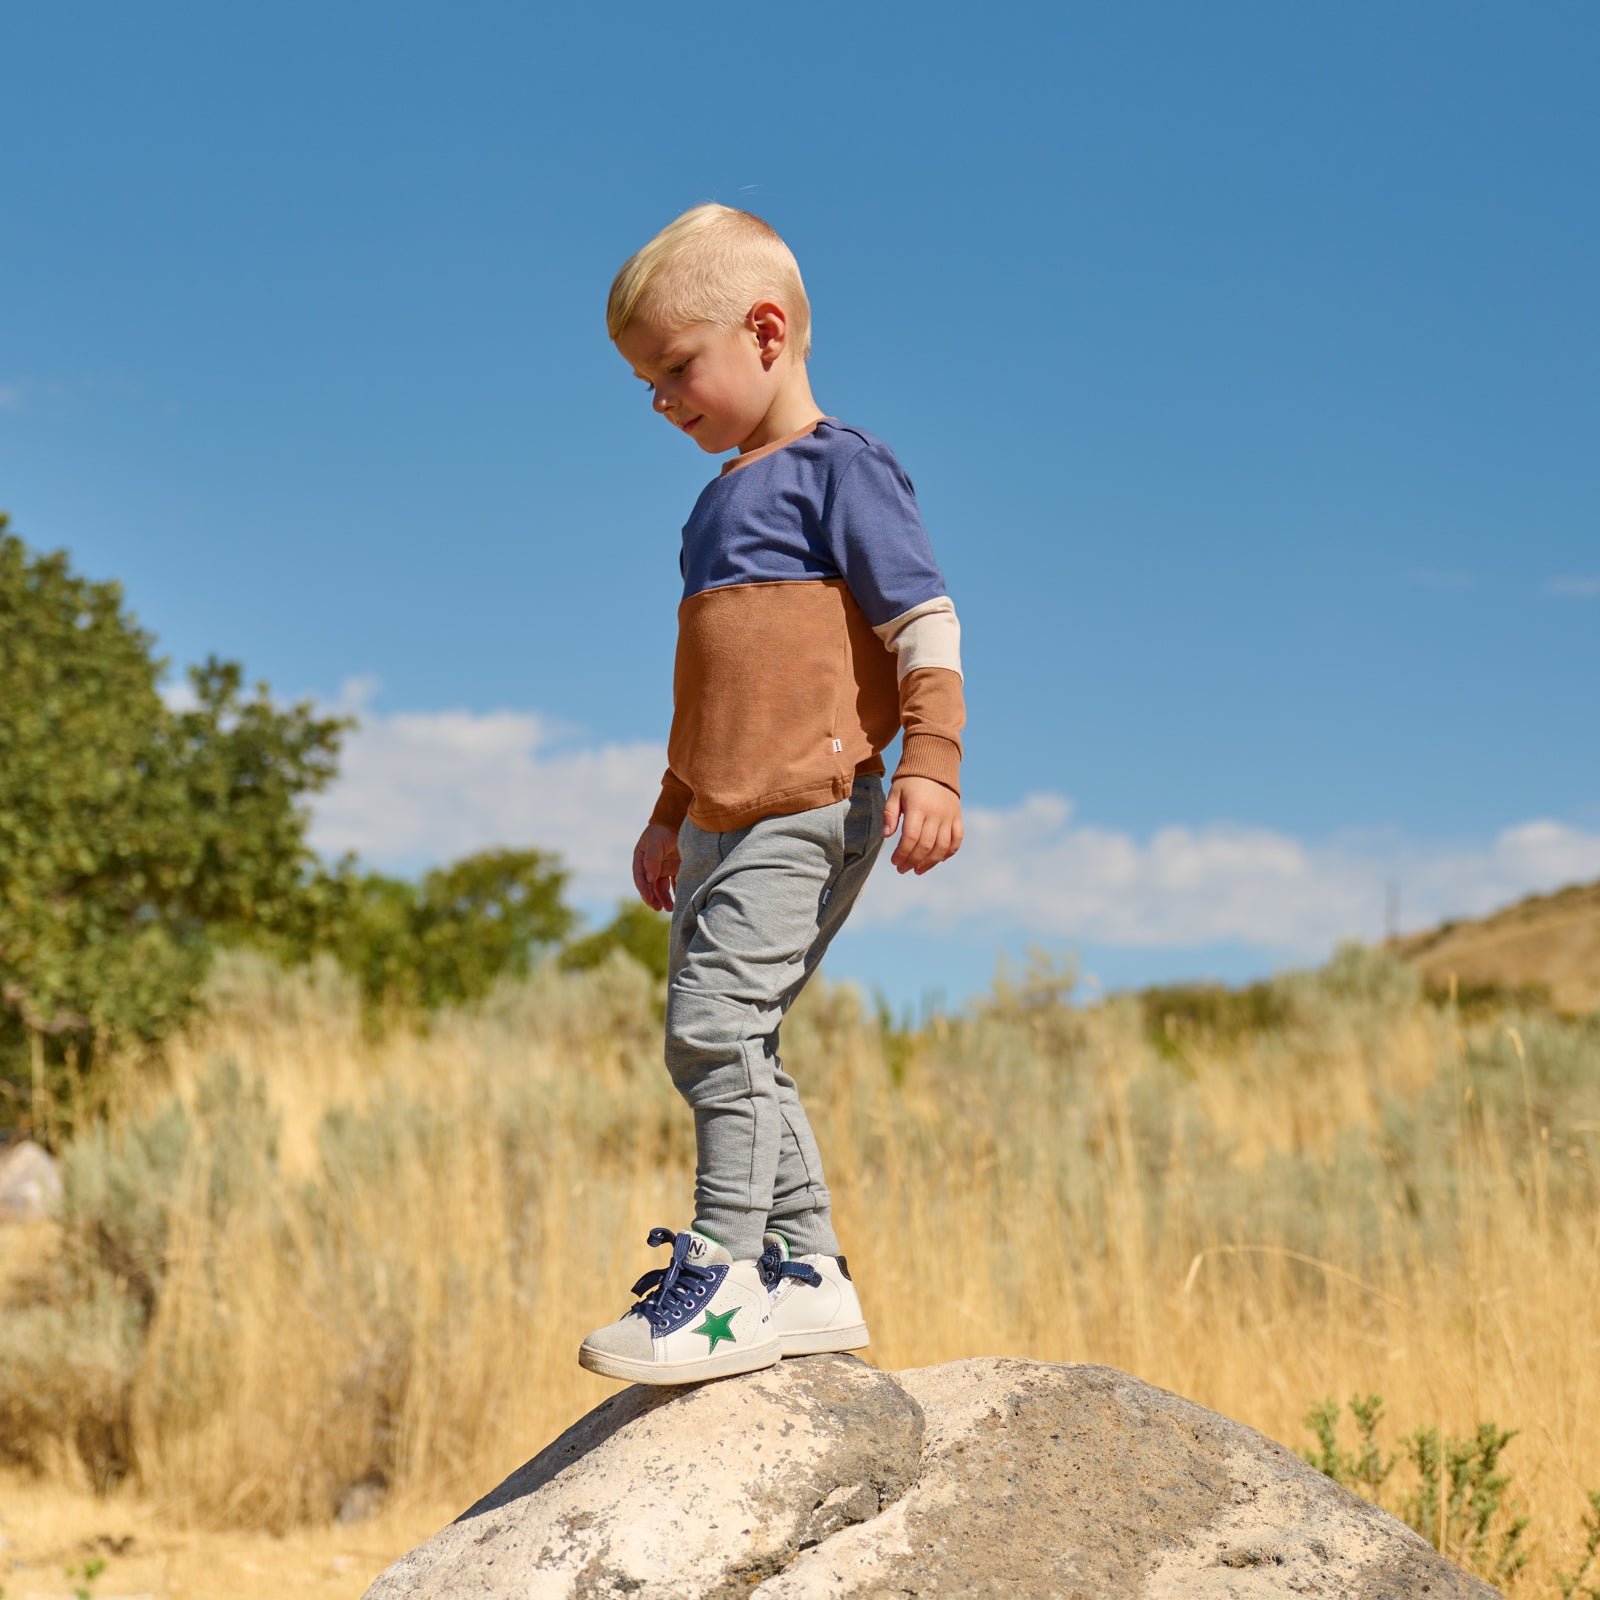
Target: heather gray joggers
(755,909)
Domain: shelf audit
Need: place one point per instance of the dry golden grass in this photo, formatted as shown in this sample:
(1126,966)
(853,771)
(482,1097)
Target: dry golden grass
(49,1530)
(1547,940)
(389,1264)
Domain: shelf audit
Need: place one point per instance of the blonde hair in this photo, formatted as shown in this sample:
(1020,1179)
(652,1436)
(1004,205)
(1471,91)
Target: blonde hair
(711,265)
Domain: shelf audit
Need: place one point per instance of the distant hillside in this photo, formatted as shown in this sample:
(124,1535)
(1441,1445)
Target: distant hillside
(1548,942)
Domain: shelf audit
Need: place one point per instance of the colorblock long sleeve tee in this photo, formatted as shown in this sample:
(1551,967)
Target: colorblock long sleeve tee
(814,626)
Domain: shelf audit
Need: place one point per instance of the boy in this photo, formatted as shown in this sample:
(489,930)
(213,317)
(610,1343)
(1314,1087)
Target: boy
(814,626)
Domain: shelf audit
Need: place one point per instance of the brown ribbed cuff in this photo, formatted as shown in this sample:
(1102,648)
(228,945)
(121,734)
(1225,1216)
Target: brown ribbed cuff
(926,755)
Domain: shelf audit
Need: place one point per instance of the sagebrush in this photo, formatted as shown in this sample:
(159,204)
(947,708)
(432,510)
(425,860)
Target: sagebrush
(312,1257)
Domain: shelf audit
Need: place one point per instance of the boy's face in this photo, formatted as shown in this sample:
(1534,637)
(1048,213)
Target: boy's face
(711,382)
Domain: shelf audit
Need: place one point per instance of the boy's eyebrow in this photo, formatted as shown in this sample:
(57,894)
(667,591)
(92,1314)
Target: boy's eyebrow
(661,355)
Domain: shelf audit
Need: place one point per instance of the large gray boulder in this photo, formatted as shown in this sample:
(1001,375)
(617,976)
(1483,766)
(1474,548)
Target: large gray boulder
(823,1477)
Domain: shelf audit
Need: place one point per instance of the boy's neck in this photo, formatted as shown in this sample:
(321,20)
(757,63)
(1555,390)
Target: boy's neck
(791,409)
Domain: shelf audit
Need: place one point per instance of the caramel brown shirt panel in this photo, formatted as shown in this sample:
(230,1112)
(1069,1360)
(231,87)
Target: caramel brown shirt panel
(783,695)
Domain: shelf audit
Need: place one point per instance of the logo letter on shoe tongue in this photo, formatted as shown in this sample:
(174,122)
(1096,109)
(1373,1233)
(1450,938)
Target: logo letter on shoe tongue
(716,1327)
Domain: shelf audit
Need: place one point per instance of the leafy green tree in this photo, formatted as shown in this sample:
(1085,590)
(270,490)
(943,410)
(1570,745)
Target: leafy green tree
(132,836)
(135,837)
(637,929)
(444,941)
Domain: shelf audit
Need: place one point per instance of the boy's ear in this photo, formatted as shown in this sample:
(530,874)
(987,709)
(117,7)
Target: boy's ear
(770,324)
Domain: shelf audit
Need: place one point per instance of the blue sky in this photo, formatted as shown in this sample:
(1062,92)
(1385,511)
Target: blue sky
(1243,357)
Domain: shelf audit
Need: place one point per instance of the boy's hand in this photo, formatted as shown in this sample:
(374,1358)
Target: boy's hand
(655,866)
(932,815)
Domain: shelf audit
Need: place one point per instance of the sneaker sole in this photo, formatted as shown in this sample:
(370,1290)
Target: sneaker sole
(671,1372)
(825,1339)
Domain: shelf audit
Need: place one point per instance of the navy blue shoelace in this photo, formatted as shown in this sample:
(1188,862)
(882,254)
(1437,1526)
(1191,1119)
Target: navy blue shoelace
(774,1269)
(674,1288)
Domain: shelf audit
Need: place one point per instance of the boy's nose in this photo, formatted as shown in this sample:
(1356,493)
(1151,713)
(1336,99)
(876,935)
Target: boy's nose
(661,403)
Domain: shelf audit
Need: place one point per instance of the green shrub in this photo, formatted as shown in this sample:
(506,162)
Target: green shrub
(1460,1491)
(1460,1502)
(1207,1014)
(68,1358)
(117,1188)
(1366,1470)
(66,1373)
(635,929)
(446,941)
(1572,1584)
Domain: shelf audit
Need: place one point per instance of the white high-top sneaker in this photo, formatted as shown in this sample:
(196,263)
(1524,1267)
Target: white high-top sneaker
(814,1304)
(705,1316)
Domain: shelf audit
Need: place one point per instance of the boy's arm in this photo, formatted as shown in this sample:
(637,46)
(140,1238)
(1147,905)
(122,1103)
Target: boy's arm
(673,805)
(926,644)
(883,553)
(655,857)
(925,793)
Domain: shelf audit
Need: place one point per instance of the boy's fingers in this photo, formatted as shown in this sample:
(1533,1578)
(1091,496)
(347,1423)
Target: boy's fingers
(658,881)
(927,839)
(661,867)
(655,872)
(891,813)
(940,851)
(909,836)
(907,833)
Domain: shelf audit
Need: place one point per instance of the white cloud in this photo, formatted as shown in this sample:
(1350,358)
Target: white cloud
(1580,588)
(1029,867)
(1531,857)
(420,787)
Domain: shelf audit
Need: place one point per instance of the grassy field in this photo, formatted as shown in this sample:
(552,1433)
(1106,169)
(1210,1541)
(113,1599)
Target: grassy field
(310,1257)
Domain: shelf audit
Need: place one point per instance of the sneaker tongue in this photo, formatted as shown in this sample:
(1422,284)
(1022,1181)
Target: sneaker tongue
(770,1239)
(704,1252)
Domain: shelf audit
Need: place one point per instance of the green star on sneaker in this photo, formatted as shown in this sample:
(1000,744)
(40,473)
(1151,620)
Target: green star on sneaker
(716,1328)
(657,1341)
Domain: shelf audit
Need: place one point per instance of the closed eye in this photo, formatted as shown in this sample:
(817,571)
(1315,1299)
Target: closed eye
(674,372)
